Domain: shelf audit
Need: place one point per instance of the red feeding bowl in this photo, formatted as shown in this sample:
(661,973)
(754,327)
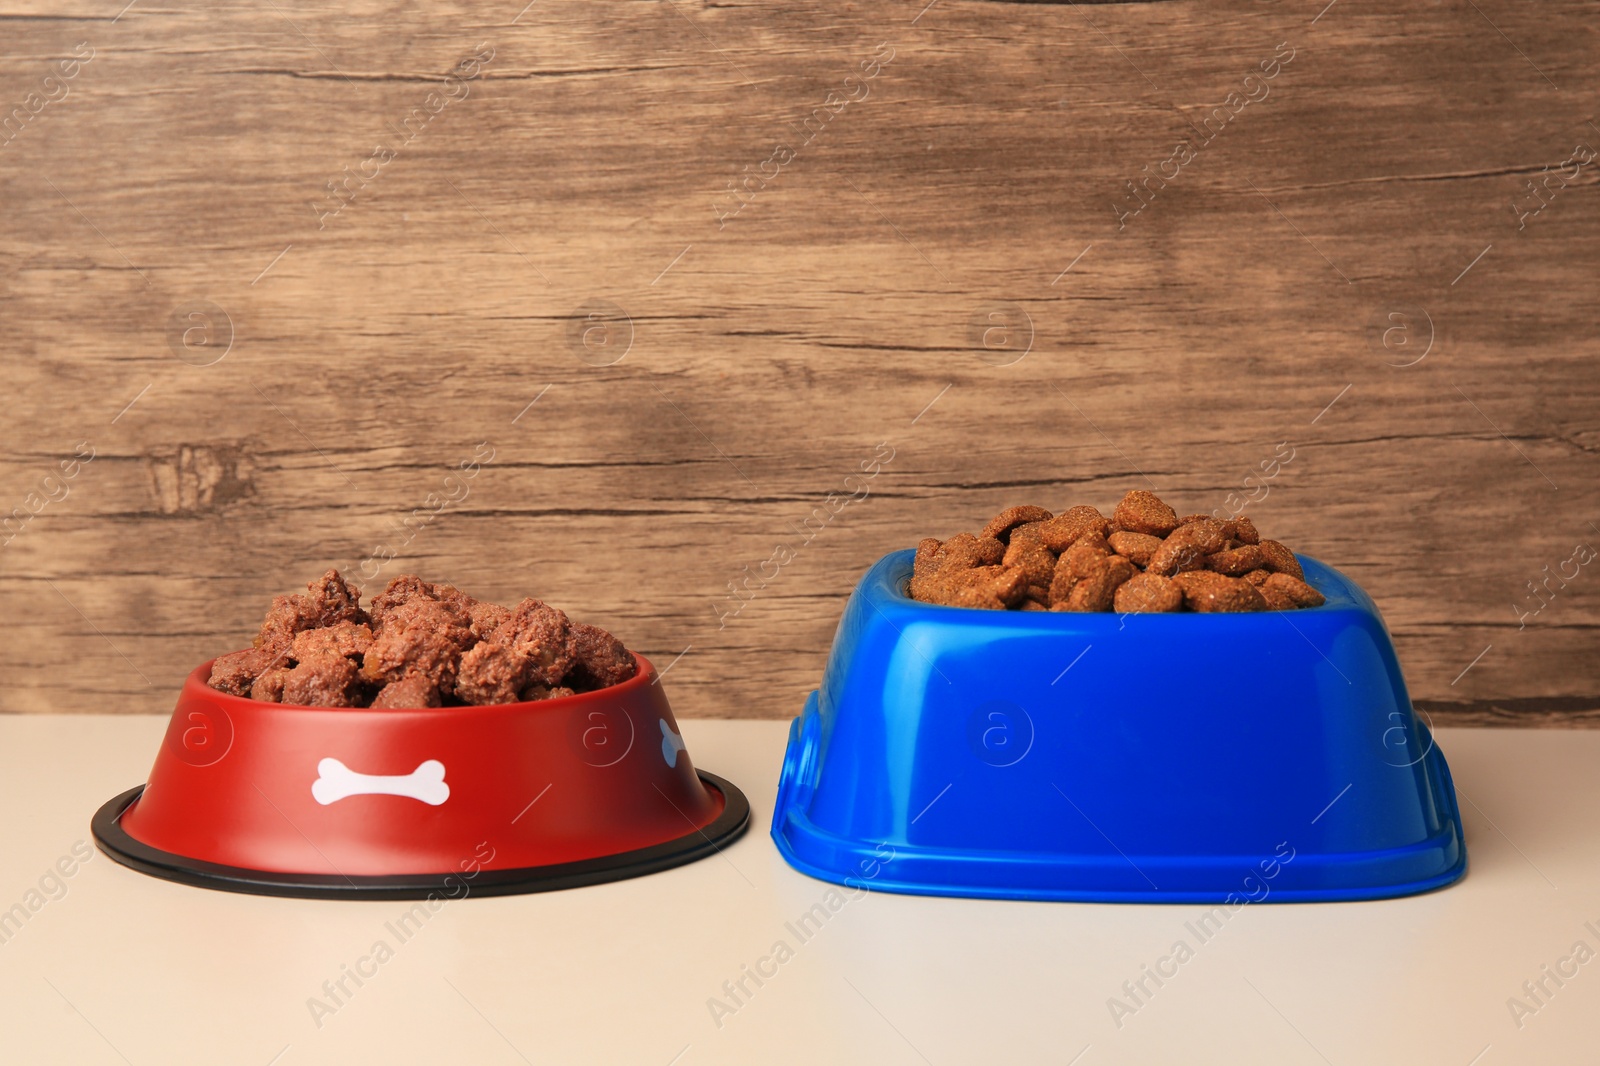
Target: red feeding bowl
(376,803)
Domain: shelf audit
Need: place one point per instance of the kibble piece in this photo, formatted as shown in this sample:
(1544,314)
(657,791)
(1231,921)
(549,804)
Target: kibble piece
(1236,562)
(1089,516)
(991,587)
(1010,587)
(1258,577)
(937,588)
(600,659)
(925,569)
(1206,533)
(1031,604)
(1061,583)
(929,588)
(964,571)
(936,562)
(972,596)
(964,549)
(1207,591)
(930,556)
(1276,600)
(1148,594)
(491,673)
(1087,548)
(332,681)
(413,690)
(1135,547)
(1285,593)
(1281,559)
(1175,554)
(235,672)
(1074,565)
(1001,525)
(1094,539)
(1122,569)
(1097,590)
(1143,512)
(541,633)
(349,639)
(1243,530)
(925,587)
(1187,547)
(1028,554)
(1059,533)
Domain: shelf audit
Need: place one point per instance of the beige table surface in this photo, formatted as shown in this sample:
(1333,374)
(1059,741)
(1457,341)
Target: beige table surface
(125,968)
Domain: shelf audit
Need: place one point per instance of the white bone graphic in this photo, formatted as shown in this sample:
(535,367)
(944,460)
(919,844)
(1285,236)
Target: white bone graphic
(335,781)
(671,744)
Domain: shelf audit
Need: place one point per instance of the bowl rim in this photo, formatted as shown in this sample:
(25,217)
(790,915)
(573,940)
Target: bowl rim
(196,686)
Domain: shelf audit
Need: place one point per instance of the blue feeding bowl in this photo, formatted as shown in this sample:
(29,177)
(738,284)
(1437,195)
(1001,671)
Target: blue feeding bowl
(1158,758)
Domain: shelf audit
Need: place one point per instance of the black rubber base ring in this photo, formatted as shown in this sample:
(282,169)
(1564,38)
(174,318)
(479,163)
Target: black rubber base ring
(723,830)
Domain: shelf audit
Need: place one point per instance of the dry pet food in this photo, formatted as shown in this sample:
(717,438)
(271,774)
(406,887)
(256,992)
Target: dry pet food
(421,645)
(1143,559)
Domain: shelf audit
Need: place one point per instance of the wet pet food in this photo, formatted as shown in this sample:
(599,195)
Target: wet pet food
(417,645)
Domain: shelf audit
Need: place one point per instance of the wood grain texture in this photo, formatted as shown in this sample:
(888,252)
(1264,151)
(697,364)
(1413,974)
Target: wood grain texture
(585,168)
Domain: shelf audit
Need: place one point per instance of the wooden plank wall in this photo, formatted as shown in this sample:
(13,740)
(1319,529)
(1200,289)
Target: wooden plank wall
(284,267)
